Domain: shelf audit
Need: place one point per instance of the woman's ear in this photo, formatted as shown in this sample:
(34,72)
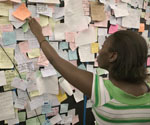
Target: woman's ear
(113,56)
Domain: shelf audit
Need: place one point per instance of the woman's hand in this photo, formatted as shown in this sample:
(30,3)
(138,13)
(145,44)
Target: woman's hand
(36,29)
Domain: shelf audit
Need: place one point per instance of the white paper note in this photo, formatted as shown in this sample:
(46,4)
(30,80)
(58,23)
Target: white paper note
(6,106)
(47,85)
(86,36)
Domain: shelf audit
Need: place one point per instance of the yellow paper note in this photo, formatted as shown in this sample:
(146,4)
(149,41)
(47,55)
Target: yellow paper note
(4,20)
(4,9)
(94,47)
(34,93)
(10,75)
(34,53)
(44,20)
(61,97)
(5,62)
(52,23)
(22,12)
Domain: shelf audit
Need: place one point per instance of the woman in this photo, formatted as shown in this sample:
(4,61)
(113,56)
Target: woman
(123,98)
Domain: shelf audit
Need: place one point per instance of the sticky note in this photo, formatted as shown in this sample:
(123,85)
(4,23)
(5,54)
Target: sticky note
(64,108)
(9,38)
(113,29)
(61,97)
(46,108)
(70,36)
(73,55)
(22,12)
(142,27)
(22,116)
(148,61)
(25,27)
(94,47)
(34,53)
(63,45)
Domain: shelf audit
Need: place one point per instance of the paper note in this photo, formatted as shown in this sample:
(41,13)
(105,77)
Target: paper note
(94,47)
(121,10)
(19,83)
(48,71)
(13,121)
(6,106)
(4,11)
(66,86)
(4,20)
(75,120)
(6,28)
(148,61)
(78,95)
(5,62)
(132,20)
(34,53)
(102,31)
(55,119)
(47,31)
(59,31)
(3,78)
(36,102)
(142,27)
(45,1)
(24,47)
(72,46)
(20,34)
(61,97)
(22,12)
(22,116)
(25,27)
(9,38)
(86,36)
(54,111)
(63,45)
(19,103)
(97,11)
(46,108)
(42,60)
(85,53)
(47,84)
(64,108)
(74,16)
(113,29)
(72,55)
(44,20)
(70,36)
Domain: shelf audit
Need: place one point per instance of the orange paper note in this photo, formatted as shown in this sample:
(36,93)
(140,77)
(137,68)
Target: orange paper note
(142,27)
(22,12)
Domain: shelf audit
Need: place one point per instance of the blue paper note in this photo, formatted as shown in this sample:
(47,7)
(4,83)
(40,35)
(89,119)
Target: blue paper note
(82,66)
(46,123)
(46,108)
(72,55)
(63,45)
(9,38)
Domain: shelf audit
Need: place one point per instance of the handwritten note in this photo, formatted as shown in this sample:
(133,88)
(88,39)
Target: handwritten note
(3,78)
(5,62)
(6,106)
(22,12)
(97,11)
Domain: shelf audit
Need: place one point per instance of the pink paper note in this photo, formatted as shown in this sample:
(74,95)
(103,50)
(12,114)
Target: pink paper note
(47,31)
(70,36)
(72,46)
(113,29)
(42,60)
(6,28)
(75,119)
(148,61)
(24,47)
